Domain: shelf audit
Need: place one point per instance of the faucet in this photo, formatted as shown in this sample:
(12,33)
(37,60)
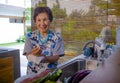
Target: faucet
(94,43)
(99,48)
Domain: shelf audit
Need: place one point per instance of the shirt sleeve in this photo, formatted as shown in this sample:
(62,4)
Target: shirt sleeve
(27,46)
(59,47)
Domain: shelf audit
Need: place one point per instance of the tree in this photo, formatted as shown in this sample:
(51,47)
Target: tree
(28,14)
(42,3)
(58,13)
(115,7)
(110,7)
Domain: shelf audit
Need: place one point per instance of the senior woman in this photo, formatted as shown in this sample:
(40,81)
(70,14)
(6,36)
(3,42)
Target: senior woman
(43,47)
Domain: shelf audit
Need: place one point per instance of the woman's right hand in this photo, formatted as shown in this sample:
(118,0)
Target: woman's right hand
(36,51)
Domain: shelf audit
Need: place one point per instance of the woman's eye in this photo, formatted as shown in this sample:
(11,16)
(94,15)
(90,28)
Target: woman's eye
(45,19)
(39,20)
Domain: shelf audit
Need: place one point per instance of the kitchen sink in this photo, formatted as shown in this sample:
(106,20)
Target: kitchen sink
(76,64)
(71,66)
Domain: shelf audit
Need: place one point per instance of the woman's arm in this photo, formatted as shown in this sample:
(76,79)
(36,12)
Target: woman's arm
(51,59)
(29,49)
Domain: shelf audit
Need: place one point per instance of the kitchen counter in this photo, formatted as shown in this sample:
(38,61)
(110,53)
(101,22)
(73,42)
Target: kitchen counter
(9,65)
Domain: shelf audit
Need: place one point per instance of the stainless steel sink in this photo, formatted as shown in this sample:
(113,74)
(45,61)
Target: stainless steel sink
(76,64)
(71,67)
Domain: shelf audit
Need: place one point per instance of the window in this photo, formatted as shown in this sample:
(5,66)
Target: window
(15,20)
(11,20)
(19,21)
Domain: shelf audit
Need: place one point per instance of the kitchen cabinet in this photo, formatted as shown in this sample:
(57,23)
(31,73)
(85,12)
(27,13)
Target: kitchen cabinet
(9,65)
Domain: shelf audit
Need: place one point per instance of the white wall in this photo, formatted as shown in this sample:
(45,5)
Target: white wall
(9,32)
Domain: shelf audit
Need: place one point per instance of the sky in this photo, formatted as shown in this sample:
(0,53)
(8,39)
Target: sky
(72,4)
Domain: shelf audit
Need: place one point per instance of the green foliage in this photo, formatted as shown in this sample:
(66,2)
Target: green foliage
(21,39)
(102,4)
(69,26)
(82,34)
(41,5)
(113,39)
(28,14)
(116,7)
(28,29)
(86,33)
(10,44)
(28,19)
(113,6)
(58,13)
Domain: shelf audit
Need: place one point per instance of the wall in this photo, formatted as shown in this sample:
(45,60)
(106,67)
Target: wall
(9,32)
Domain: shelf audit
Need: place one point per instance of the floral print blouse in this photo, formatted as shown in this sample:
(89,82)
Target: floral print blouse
(51,45)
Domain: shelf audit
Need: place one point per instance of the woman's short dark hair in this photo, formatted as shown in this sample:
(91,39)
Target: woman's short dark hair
(46,10)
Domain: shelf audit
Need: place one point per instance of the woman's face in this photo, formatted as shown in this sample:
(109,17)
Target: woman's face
(42,22)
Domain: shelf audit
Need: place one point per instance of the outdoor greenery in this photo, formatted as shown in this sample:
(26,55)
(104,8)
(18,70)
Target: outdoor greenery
(109,7)
(28,14)
(112,5)
(11,44)
(21,39)
(58,13)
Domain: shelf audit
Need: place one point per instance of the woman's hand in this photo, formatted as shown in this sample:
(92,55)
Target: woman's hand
(36,51)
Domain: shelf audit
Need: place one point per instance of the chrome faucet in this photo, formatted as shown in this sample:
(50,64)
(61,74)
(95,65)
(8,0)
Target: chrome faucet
(99,48)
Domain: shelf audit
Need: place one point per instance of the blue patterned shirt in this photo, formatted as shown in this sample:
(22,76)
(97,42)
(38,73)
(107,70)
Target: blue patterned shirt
(53,45)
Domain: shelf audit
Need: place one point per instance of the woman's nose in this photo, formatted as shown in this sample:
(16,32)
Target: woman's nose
(42,23)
